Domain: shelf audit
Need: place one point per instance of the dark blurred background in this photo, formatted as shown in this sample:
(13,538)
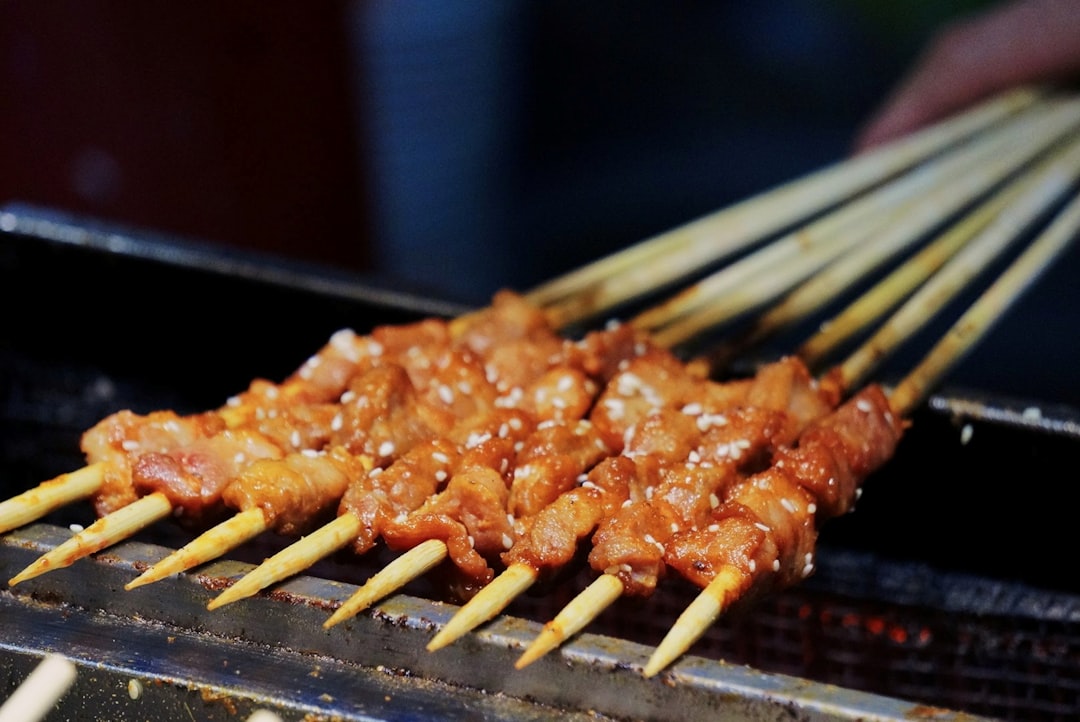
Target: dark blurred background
(455,147)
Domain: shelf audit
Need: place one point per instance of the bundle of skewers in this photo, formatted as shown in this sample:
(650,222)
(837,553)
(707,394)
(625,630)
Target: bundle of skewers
(500,447)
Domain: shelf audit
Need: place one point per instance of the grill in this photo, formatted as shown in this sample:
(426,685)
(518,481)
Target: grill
(946,595)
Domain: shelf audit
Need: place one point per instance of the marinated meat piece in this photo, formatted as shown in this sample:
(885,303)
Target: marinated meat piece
(787,385)
(299,427)
(380,495)
(386,496)
(702,449)
(382,416)
(650,381)
(559,394)
(630,543)
(548,541)
(322,378)
(120,437)
(297,492)
(836,454)
(193,476)
(550,462)
(767,525)
(469,514)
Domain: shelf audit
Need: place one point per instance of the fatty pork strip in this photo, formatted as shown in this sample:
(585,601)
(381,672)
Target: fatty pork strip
(190,480)
(266,408)
(111,444)
(649,379)
(696,455)
(476,514)
(213,444)
(380,416)
(524,367)
(563,446)
(421,382)
(762,536)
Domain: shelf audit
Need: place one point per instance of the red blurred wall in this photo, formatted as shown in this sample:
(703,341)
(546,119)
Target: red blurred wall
(228,122)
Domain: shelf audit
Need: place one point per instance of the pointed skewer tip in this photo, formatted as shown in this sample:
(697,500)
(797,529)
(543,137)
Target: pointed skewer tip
(407,567)
(581,610)
(488,602)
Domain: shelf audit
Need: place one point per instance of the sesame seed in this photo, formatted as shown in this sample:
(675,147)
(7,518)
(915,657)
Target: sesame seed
(762,527)
(386,448)
(966,433)
(864,406)
(753,566)
(476,439)
(294,439)
(776,565)
(507,541)
(440,457)
(441,475)
(789,505)
(446,394)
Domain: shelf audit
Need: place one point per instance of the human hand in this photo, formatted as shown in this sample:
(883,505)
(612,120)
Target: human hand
(1011,44)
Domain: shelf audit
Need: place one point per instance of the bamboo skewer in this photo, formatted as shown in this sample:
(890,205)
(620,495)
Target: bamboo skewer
(866,218)
(227,535)
(1052,174)
(487,602)
(935,189)
(49,496)
(34,698)
(651,264)
(1043,188)
(292,559)
(1002,152)
(1043,191)
(121,524)
(955,275)
(688,246)
(972,326)
(405,568)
